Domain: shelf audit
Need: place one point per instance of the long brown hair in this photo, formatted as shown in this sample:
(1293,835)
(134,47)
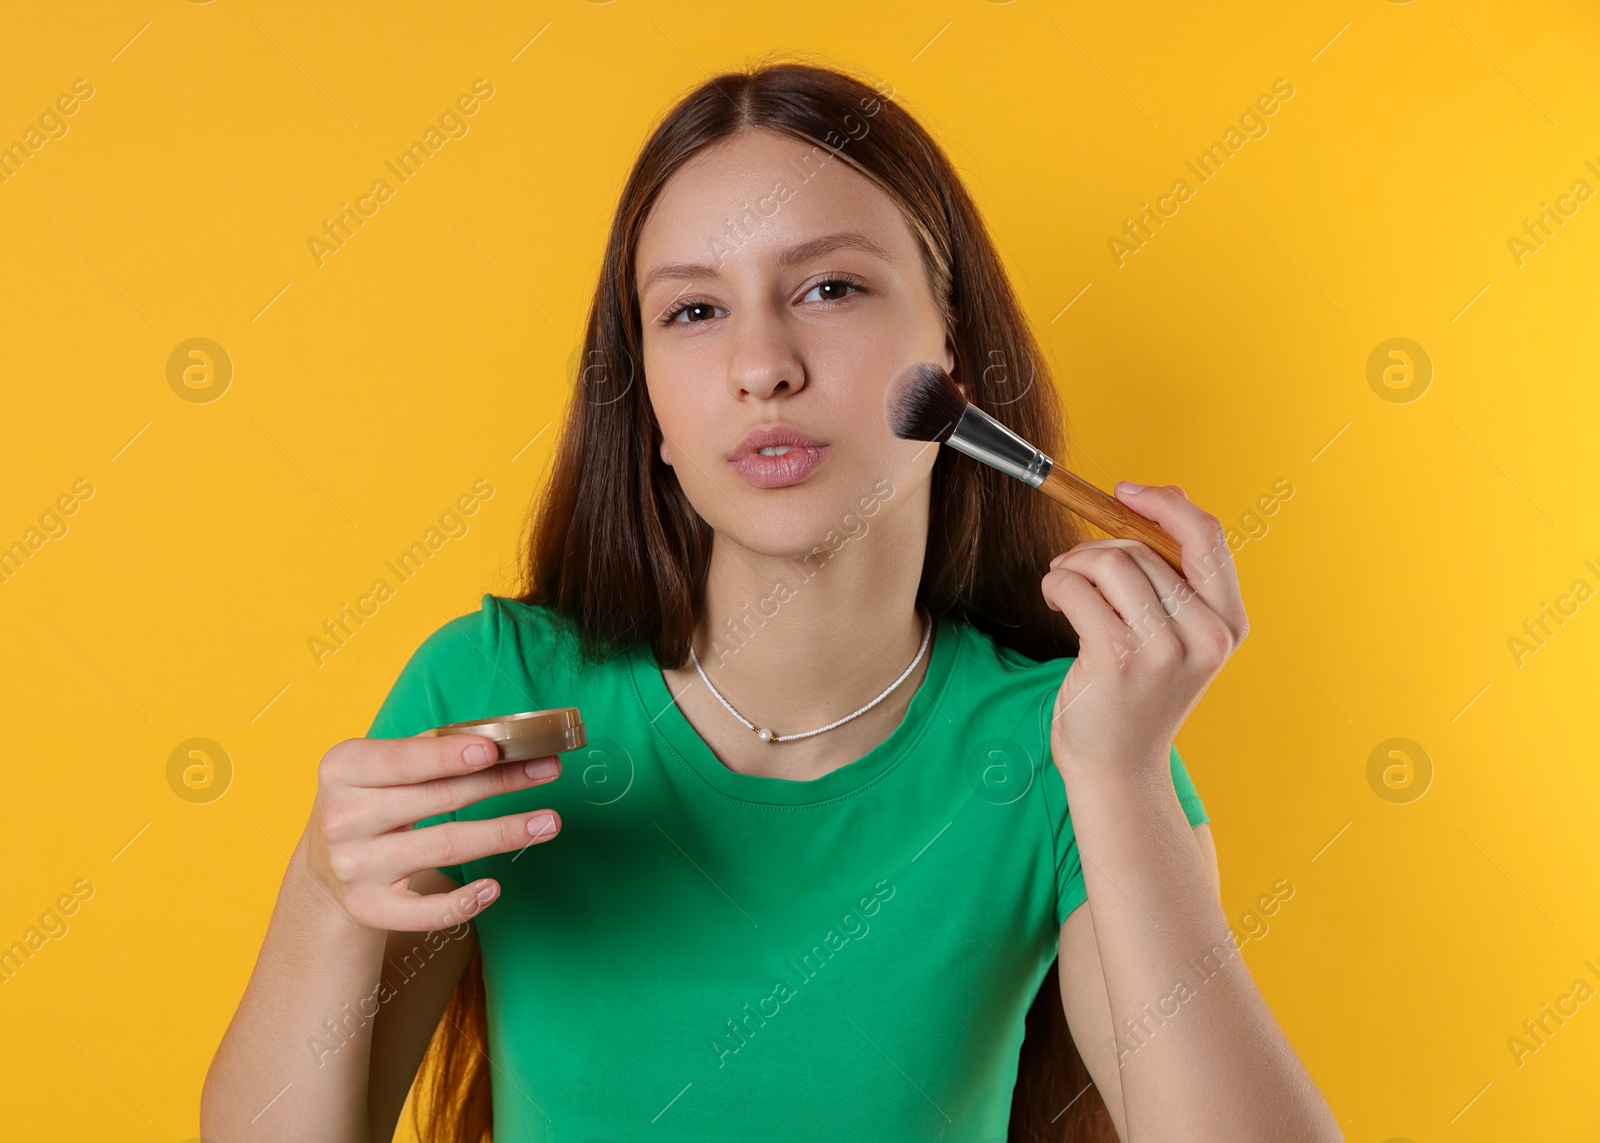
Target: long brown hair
(618,551)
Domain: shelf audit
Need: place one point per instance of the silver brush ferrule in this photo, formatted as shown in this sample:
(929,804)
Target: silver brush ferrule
(985,439)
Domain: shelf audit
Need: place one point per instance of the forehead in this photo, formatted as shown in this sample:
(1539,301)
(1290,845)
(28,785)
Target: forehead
(751,196)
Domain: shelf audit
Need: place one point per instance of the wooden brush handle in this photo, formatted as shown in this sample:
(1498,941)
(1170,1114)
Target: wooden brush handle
(1109,514)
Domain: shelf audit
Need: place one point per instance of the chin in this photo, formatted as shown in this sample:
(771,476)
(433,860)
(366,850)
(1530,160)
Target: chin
(811,521)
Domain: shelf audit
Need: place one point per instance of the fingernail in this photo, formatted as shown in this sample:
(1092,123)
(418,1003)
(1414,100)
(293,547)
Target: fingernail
(1129,487)
(477,754)
(1179,491)
(1059,560)
(486,894)
(541,767)
(541,824)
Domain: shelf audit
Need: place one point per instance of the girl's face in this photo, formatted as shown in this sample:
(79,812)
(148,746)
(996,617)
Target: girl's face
(774,300)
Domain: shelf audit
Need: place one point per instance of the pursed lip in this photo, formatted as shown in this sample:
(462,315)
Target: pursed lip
(772,436)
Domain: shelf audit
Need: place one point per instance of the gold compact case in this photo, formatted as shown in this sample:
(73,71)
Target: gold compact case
(532,734)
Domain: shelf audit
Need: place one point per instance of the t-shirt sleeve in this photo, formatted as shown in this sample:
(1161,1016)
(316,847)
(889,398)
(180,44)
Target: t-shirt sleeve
(1070,888)
(451,671)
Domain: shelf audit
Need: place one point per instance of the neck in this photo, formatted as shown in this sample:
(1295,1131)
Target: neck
(794,643)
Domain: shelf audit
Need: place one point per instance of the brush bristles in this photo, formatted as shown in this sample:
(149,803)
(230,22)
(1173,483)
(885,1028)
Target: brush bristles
(923,403)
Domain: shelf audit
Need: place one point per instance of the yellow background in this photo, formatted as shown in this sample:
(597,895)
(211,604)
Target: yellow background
(1226,355)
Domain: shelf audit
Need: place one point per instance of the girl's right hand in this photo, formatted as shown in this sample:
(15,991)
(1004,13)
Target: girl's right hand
(371,791)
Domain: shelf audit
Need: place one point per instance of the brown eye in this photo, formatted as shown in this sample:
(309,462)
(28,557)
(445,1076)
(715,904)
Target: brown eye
(698,311)
(835,288)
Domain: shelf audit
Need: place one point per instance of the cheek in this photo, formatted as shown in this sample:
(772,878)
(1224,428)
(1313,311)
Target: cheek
(693,436)
(678,397)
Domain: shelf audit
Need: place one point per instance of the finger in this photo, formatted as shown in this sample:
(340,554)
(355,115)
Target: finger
(1207,559)
(404,852)
(1118,577)
(1172,590)
(406,911)
(1200,630)
(372,762)
(382,810)
(1085,608)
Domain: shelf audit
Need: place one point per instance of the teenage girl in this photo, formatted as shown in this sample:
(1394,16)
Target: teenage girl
(814,875)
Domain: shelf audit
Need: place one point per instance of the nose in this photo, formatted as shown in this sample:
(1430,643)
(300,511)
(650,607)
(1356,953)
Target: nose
(764,361)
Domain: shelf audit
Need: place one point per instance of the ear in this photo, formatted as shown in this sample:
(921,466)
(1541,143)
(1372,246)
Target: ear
(950,366)
(666,453)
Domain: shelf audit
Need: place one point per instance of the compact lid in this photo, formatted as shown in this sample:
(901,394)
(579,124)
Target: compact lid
(507,727)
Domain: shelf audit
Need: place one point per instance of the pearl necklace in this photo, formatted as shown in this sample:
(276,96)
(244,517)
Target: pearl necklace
(768,735)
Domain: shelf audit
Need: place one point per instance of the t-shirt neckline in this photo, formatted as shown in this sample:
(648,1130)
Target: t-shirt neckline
(671,724)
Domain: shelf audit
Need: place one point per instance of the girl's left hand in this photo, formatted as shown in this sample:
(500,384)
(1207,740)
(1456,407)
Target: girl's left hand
(1150,642)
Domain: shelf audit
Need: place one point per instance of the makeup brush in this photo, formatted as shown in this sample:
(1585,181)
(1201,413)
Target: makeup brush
(924,403)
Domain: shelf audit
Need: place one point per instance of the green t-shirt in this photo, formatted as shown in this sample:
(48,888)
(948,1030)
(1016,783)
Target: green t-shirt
(702,954)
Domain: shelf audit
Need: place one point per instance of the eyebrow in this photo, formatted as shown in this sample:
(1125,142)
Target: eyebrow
(789,256)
